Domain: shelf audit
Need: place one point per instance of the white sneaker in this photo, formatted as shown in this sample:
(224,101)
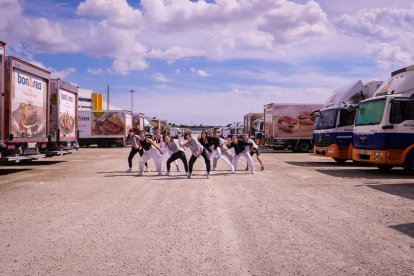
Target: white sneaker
(189,175)
(232,169)
(208,175)
(140,174)
(159,173)
(129,170)
(167,174)
(253,172)
(213,169)
(147,169)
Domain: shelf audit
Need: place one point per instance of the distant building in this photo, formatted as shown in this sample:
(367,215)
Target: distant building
(89,100)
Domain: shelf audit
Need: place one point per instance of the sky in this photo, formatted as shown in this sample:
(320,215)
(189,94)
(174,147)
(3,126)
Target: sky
(211,62)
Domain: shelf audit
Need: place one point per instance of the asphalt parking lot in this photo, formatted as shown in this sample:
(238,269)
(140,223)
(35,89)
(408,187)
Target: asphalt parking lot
(302,215)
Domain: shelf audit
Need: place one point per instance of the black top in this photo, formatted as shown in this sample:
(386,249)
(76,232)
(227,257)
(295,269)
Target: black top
(239,147)
(211,141)
(145,144)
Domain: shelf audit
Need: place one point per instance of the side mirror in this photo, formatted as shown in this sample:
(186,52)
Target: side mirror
(351,108)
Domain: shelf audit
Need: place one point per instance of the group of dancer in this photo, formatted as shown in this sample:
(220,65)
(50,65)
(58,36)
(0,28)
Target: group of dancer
(209,147)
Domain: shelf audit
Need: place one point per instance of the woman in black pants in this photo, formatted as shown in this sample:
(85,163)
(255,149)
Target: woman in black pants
(135,148)
(197,150)
(177,151)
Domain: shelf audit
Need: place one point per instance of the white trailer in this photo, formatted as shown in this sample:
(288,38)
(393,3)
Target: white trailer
(106,128)
(290,126)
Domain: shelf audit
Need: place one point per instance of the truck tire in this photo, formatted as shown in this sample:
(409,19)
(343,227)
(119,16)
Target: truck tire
(340,160)
(409,164)
(385,168)
(303,146)
(101,144)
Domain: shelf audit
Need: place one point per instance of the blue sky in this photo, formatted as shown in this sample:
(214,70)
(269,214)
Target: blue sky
(211,62)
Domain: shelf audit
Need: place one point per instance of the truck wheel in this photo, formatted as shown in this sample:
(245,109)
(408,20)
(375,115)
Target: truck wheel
(101,144)
(384,168)
(340,160)
(303,146)
(409,164)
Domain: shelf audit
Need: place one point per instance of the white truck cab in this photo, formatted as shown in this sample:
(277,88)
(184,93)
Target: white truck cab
(384,124)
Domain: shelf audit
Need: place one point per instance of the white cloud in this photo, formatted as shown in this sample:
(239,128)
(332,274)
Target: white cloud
(174,53)
(200,72)
(387,32)
(159,77)
(63,74)
(96,71)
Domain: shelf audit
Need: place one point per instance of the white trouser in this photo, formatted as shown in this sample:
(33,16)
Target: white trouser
(246,155)
(217,154)
(151,153)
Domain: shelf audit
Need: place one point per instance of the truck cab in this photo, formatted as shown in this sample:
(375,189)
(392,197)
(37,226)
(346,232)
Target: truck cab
(334,123)
(384,124)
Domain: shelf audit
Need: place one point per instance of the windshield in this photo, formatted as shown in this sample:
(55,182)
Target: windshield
(370,113)
(346,117)
(326,119)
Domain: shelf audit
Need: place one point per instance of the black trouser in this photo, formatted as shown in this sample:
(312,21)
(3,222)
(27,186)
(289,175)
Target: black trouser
(132,154)
(179,154)
(194,158)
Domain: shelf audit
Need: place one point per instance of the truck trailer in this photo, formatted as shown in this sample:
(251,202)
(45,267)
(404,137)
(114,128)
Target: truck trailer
(289,126)
(334,123)
(253,126)
(63,130)
(107,128)
(384,124)
(24,116)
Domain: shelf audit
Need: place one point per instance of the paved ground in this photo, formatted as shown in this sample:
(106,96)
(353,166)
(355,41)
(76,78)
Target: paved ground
(303,215)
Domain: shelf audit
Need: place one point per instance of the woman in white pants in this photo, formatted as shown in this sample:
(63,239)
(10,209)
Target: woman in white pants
(241,149)
(221,151)
(164,147)
(151,150)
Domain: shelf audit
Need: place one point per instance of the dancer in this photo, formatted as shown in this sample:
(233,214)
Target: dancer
(135,148)
(197,150)
(220,151)
(160,141)
(240,150)
(177,152)
(253,149)
(150,148)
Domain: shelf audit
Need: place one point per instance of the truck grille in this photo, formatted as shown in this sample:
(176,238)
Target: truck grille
(321,141)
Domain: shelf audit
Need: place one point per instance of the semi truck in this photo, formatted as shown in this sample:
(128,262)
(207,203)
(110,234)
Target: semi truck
(253,126)
(106,128)
(289,126)
(334,122)
(139,122)
(384,124)
(24,117)
(63,130)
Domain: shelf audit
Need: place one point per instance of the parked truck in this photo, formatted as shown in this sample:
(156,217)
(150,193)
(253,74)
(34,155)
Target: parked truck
(63,130)
(290,126)
(106,128)
(24,117)
(384,124)
(253,126)
(334,123)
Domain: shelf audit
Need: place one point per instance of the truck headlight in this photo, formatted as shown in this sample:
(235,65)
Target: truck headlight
(379,153)
(331,150)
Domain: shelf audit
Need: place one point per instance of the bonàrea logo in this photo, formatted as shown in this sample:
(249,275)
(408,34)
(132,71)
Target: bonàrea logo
(28,81)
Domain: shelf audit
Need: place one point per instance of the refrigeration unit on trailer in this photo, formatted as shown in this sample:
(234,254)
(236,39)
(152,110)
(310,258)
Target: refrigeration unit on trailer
(107,128)
(24,110)
(289,126)
(63,102)
(384,124)
(334,122)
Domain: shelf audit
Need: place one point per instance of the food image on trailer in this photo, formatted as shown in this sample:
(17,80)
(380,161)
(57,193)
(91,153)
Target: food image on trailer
(108,123)
(28,106)
(293,121)
(67,113)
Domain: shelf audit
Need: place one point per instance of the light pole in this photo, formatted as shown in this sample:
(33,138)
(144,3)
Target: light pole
(132,100)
